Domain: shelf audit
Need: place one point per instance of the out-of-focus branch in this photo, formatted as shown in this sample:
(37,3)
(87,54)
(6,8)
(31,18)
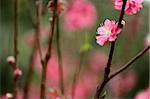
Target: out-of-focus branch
(16,22)
(29,74)
(37,26)
(61,74)
(48,54)
(76,75)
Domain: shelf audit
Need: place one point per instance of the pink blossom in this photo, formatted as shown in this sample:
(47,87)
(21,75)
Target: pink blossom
(107,32)
(123,83)
(79,14)
(132,6)
(145,94)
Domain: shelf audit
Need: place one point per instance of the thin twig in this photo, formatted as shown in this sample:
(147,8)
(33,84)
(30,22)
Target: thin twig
(107,68)
(61,74)
(16,22)
(48,54)
(37,26)
(76,75)
(16,19)
(124,67)
(29,74)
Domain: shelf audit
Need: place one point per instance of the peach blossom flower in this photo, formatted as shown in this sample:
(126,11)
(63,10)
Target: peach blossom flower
(107,32)
(145,94)
(132,6)
(79,14)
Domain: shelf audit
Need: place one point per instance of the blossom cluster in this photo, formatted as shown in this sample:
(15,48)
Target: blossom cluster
(109,31)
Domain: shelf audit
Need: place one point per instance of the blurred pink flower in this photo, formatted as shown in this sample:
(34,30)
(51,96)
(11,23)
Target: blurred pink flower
(145,94)
(79,14)
(85,86)
(132,6)
(107,32)
(122,84)
(97,61)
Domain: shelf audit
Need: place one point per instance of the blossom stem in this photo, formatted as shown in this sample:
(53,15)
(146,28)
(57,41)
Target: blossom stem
(48,54)
(107,68)
(61,75)
(16,22)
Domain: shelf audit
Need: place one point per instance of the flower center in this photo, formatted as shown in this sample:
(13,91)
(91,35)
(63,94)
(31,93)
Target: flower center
(107,32)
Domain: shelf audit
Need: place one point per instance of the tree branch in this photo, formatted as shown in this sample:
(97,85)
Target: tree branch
(107,68)
(37,26)
(76,75)
(48,54)
(124,67)
(61,75)
(16,21)
(29,74)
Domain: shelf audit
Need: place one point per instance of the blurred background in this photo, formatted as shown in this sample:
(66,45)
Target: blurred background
(78,47)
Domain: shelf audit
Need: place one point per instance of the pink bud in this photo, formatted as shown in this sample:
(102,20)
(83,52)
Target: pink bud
(17,72)
(11,60)
(9,95)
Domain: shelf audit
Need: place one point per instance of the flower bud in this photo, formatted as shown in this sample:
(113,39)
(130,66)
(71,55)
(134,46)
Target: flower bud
(50,19)
(17,72)
(11,60)
(123,22)
(9,95)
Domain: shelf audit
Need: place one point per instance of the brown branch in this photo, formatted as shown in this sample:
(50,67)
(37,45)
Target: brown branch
(128,64)
(16,19)
(61,74)
(37,26)
(48,54)
(107,68)
(16,22)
